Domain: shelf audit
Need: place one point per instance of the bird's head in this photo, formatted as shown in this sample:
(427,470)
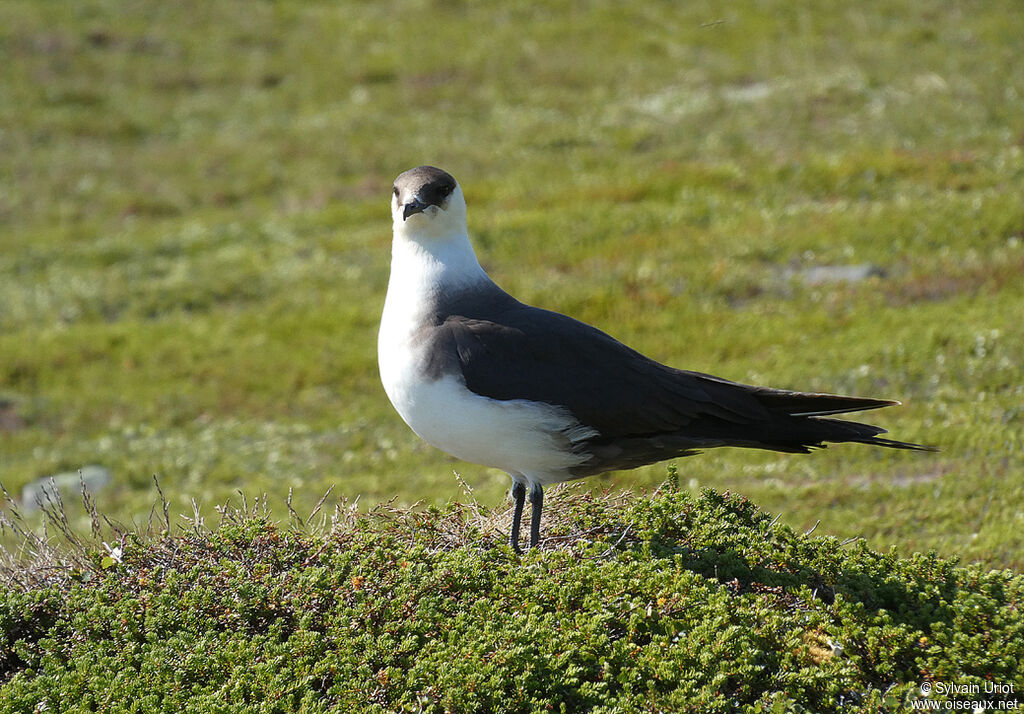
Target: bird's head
(427,202)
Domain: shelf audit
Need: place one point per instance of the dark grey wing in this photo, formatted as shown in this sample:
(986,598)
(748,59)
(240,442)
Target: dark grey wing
(643,411)
(546,357)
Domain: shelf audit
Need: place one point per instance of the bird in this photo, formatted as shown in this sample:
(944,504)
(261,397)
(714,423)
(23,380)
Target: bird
(547,398)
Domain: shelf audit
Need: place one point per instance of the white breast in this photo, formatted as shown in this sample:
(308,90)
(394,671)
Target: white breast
(518,436)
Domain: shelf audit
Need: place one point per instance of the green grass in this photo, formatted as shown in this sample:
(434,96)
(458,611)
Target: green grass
(665,603)
(194,235)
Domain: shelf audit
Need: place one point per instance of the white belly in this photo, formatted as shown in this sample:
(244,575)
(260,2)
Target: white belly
(518,436)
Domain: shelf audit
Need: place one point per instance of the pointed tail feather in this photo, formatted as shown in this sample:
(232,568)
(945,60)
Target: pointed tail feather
(893,444)
(781,401)
(840,430)
(810,407)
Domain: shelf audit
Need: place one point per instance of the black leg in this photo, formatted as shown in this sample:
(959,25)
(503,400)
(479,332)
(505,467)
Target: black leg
(518,498)
(537,504)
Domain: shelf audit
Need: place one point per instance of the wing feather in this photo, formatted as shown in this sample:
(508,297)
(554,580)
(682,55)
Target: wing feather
(643,411)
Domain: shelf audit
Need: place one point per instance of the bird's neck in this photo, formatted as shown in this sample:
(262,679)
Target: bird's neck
(423,269)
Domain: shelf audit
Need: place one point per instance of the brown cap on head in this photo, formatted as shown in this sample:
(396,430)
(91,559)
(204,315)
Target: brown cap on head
(421,187)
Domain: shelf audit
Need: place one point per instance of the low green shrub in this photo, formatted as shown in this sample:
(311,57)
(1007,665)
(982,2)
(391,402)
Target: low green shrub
(665,602)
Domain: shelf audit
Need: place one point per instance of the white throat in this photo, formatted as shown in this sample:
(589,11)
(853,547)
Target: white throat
(430,254)
(421,268)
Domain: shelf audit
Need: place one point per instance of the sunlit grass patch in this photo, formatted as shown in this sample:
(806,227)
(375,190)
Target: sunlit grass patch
(194,235)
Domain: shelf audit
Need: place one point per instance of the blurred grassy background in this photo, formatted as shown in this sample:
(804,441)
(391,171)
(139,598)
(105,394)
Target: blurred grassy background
(194,235)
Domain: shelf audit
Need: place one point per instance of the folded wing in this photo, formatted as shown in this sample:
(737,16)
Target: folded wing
(642,411)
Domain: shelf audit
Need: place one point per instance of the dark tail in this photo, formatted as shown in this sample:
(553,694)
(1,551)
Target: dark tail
(803,426)
(782,401)
(838,431)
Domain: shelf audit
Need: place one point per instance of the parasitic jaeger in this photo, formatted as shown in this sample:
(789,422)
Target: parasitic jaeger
(547,398)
